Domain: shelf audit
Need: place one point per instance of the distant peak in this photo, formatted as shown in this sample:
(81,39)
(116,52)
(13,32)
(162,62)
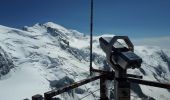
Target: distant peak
(53,25)
(56,26)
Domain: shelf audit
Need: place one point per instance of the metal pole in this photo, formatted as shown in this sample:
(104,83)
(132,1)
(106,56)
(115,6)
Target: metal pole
(50,94)
(91,35)
(122,87)
(103,89)
(150,83)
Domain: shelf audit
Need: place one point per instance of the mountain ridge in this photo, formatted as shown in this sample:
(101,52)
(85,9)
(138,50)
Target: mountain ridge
(45,56)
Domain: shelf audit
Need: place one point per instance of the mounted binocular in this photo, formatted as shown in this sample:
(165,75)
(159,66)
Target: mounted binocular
(119,55)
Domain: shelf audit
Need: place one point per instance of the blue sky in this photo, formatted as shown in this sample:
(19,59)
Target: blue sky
(135,18)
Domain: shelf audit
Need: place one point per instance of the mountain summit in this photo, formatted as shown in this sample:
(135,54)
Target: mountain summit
(46,56)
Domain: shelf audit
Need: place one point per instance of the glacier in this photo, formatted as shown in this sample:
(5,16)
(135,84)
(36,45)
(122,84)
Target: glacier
(46,56)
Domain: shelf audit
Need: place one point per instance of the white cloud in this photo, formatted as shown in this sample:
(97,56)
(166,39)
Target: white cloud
(163,42)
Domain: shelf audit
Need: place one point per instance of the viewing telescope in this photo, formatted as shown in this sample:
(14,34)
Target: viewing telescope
(120,56)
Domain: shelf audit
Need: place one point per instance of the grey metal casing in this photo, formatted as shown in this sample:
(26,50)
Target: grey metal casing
(119,55)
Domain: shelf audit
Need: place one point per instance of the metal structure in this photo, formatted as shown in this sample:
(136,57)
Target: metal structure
(122,93)
(120,58)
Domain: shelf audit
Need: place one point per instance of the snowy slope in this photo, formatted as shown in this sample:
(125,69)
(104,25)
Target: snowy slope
(47,56)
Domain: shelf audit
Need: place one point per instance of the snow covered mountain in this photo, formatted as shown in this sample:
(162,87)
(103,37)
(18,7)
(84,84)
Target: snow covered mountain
(46,56)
